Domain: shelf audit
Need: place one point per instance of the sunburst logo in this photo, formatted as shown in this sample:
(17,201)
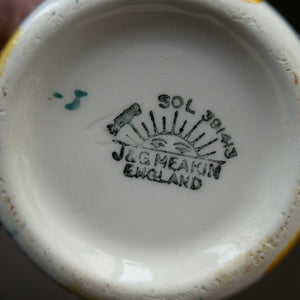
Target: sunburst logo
(167,150)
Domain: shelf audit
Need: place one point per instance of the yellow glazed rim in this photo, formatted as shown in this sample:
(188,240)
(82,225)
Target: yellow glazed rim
(11,44)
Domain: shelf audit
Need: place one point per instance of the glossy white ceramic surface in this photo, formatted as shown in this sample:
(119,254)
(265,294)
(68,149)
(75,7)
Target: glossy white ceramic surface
(149,149)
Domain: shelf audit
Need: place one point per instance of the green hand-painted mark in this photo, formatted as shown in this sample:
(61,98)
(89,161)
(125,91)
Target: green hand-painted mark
(12,233)
(76,103)
(58,95)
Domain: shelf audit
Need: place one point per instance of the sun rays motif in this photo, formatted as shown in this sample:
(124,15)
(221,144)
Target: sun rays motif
(163,135)
(169,149)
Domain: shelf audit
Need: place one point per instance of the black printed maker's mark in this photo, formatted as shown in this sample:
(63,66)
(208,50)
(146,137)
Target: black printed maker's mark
(165,148)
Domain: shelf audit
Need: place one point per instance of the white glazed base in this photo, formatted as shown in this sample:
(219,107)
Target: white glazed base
(105,234)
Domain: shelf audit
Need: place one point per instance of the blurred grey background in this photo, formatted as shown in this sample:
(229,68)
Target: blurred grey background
(20,279)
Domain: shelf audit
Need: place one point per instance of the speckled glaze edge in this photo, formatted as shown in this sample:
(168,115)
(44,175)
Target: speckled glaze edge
(246,268)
